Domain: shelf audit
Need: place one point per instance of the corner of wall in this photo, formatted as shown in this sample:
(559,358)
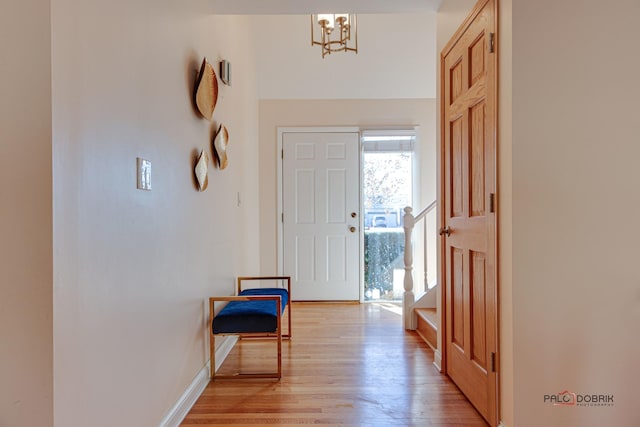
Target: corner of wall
(26,249)
(505,210)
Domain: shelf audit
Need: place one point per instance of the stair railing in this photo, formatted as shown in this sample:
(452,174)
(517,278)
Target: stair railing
(408,299)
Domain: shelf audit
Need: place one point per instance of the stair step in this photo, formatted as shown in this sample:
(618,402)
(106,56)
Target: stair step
(427,326)
(430,315)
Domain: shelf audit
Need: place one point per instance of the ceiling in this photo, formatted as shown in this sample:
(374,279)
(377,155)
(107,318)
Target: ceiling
(294,7)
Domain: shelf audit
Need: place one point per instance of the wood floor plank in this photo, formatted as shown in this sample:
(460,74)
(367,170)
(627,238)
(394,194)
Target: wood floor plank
(346,365)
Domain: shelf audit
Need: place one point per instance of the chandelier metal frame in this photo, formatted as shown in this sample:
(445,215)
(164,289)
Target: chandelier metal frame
(337,32)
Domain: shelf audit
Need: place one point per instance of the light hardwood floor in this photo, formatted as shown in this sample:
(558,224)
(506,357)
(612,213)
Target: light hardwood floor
(347,365)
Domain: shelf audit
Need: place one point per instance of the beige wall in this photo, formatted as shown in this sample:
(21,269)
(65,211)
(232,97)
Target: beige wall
(26,273)
(133,268)
(576,283)
(450,15)
(360,113)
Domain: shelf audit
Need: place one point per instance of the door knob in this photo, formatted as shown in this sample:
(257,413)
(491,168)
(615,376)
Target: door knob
(445,231)
(352,229)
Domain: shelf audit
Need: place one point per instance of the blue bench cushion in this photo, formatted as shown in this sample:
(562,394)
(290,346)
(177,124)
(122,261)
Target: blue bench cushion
(250,316)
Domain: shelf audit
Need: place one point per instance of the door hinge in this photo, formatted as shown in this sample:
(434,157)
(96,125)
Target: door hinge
(282,153)
(492,202)
(491,42)
(493,362)
(282,218)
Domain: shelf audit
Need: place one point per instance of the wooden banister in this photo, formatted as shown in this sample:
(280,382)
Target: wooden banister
(408,299)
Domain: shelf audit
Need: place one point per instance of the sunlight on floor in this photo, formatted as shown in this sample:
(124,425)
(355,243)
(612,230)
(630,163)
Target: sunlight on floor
(346,365)
(394,308)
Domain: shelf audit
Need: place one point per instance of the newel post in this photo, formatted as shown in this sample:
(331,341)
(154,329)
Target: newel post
(408,300)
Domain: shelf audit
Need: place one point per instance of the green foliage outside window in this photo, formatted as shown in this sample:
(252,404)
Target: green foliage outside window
(383,252)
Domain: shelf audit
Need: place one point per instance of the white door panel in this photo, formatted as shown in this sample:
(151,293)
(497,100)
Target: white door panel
(320,180)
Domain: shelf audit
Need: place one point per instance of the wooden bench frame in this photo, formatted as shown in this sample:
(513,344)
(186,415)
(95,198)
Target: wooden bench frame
(277,334)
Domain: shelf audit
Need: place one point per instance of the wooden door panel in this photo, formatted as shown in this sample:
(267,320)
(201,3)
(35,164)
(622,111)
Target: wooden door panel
(472,386)
(456,80)
(478,309)
(469,150)
(476,64)
(457,168)
(477,163)
(457,298)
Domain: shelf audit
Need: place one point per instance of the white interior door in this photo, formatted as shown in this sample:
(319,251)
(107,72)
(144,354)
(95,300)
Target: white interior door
(321,215)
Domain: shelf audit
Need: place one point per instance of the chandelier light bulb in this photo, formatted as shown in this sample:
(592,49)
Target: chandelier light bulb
(342,19)
(326,20)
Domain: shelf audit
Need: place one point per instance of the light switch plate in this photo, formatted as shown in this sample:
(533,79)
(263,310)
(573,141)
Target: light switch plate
(144,174)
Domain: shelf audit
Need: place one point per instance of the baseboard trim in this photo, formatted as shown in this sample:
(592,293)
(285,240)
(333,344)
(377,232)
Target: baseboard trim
(437,360)
(185,402)
(182,407)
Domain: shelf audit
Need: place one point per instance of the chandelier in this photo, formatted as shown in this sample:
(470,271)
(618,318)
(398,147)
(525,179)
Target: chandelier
(337,32)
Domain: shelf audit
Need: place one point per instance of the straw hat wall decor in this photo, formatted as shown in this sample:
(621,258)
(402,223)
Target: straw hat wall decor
(201,171)
(206,97)
(206,90)
(220,143)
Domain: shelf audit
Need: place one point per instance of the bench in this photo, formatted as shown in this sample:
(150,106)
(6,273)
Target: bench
(252,313)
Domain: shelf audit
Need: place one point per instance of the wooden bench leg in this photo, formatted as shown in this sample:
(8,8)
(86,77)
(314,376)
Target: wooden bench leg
(212,342)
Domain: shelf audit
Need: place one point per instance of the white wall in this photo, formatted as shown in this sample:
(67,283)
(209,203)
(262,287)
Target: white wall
(362,113)
(396,59)
(133,268)
(26,272)
(576,283)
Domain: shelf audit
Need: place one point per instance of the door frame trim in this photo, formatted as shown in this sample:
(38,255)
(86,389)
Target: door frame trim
(281,130)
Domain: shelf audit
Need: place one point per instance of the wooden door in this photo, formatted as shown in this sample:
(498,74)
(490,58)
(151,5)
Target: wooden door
(321,213)
(469,152)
